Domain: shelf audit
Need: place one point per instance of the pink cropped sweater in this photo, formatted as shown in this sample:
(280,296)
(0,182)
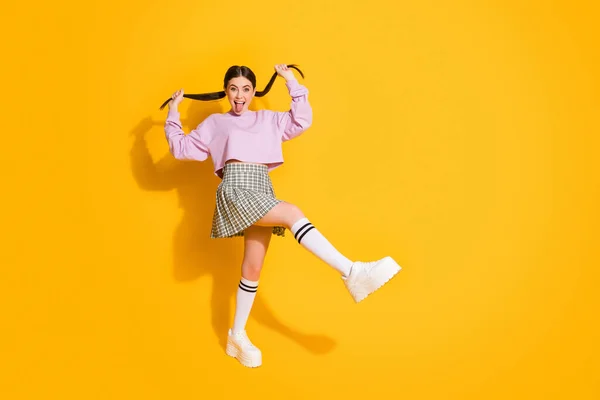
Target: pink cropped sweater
(254,136)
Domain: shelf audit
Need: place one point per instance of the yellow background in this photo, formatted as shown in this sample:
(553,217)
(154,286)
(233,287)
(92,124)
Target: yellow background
(461,138)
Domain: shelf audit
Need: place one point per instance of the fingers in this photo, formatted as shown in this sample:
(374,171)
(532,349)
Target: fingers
(176,98)
(177,94)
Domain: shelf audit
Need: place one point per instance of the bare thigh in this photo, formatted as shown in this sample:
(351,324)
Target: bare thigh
(283,214)
(256,244)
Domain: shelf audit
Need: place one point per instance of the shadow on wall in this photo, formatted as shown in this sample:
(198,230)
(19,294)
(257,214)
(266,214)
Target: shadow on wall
(195,254)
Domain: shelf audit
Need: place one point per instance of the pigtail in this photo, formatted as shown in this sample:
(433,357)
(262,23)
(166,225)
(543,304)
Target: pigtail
(203,97)
(221,94)
(270,84)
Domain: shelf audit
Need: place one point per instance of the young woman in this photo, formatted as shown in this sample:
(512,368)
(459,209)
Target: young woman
(245,146)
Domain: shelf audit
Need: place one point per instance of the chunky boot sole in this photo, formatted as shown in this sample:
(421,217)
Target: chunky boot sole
(381,273)
(247,360)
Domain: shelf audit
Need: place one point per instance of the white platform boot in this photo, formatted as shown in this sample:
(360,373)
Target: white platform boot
(241,348)
(366,277)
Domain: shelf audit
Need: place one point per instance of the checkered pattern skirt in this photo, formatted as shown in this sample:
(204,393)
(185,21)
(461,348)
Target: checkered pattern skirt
(243,197)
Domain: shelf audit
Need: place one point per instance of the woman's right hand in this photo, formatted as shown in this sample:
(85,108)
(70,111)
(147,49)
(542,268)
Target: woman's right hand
(177,98)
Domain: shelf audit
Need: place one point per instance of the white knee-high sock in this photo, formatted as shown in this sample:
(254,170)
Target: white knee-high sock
(308,236)
(246,293)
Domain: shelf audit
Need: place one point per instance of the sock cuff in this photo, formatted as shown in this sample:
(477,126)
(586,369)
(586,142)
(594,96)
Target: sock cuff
(248,285)
(298,224)
(301,228)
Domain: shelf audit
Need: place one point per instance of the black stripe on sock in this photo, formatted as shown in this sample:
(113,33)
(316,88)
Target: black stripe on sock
(248,288)
(305,232)
(301,228)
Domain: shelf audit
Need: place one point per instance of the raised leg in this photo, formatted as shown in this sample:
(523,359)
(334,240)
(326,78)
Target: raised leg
(306,234)
(361,278)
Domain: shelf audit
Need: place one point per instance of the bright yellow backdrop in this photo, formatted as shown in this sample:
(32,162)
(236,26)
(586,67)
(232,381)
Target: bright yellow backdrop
(459,138)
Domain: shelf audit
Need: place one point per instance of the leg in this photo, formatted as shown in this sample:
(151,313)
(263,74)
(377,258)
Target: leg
(291,217)
(283,214)
(360,278)
(256,243)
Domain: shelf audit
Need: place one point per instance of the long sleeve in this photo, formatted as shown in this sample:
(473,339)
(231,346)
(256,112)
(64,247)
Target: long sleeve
(193,146)
(299,118)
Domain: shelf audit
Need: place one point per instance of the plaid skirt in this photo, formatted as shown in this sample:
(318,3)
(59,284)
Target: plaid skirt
(244,196)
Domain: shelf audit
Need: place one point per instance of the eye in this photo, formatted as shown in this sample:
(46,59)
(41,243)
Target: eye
(246,90)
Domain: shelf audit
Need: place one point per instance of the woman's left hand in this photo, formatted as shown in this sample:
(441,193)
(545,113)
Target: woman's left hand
(284,72)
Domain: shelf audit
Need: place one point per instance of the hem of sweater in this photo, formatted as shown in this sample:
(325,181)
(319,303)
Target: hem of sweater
(271,165)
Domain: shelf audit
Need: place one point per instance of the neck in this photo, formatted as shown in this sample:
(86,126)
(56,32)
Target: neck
(231,112)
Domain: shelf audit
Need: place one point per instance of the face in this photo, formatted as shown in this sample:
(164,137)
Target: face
(239,93)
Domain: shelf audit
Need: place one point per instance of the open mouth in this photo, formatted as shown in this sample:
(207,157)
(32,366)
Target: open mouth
(239,106)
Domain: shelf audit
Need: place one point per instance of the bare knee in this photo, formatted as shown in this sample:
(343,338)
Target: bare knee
(293,214)
(251,270)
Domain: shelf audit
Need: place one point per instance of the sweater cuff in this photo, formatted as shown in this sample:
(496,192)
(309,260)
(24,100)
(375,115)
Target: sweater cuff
(174,116)
(295,88)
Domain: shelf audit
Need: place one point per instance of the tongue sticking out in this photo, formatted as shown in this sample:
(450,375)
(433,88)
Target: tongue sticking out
(239,107)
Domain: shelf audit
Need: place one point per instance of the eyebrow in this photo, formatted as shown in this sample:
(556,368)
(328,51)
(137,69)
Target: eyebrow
(245,86)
